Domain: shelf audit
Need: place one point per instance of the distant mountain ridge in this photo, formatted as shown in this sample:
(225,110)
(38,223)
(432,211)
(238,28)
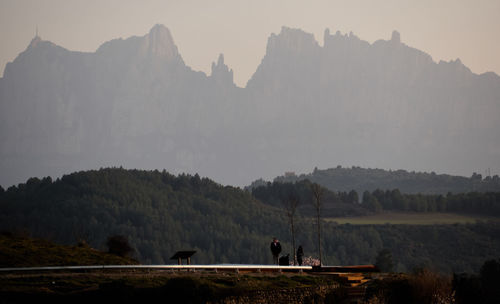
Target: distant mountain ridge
(135,103)
(366,179)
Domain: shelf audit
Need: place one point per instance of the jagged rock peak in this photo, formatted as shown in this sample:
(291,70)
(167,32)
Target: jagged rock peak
(159,30)
(220,71)
(396,37)
(219,66)
(326,35)
(292,39)
(159,43)
(456,62)
(34,42)
(220,61)
(330,40)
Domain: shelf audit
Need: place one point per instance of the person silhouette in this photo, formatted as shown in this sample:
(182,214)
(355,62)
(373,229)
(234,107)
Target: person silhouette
(300,255)
(275,250)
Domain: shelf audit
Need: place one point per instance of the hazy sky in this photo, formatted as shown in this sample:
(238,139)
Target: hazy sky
(445,29)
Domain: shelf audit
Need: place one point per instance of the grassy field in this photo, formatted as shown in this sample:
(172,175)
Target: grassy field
(397,218)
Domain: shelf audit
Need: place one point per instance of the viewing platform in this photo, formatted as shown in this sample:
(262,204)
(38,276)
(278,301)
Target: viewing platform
(215,267)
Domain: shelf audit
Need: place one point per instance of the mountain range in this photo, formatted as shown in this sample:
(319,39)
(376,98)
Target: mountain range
(135,103)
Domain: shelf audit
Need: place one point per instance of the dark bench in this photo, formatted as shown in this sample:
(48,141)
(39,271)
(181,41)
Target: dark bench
(179,255)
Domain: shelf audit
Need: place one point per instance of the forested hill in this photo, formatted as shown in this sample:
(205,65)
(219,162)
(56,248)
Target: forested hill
(161,213)
(365,179)
(158,212)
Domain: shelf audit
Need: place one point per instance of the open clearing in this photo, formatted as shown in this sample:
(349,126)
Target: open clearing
(407,218)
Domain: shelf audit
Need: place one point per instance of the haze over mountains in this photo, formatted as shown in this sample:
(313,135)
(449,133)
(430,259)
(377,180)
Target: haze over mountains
(135,103)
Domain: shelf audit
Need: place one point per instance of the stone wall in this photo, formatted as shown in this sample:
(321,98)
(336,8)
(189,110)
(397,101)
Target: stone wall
(315,294)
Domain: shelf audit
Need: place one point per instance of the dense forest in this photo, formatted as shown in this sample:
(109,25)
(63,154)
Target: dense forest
(364,179)
(161,213)
(158,212)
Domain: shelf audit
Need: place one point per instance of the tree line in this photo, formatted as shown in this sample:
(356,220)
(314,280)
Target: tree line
(487,203)
(348,203)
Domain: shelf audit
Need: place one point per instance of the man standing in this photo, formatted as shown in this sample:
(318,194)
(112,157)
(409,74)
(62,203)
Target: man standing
(300,255)
(275,250)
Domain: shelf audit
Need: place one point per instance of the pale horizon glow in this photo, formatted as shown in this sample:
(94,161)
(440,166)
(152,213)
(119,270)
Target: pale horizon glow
(446,30)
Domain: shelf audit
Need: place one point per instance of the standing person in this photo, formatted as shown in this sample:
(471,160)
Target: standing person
(300,255)
(275,250)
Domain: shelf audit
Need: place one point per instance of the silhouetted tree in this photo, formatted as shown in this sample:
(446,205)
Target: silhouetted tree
(291,202)
(118,244)
(371,202)
(318,192)
(384,260)
(353,197)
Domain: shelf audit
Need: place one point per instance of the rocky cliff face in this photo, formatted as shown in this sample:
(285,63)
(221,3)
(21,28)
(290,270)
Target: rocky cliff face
(135,103)
(383,104)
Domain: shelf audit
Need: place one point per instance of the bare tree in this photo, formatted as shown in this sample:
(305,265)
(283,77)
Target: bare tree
(318,192)
(291,203)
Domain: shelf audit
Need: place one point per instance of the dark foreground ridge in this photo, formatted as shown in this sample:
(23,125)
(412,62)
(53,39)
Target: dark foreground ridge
(188,284)
(224,287)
